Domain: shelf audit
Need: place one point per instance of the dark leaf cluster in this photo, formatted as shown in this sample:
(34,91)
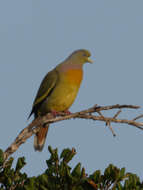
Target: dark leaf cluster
(60,176)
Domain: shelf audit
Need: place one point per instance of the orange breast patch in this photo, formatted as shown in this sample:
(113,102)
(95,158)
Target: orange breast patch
(74,76)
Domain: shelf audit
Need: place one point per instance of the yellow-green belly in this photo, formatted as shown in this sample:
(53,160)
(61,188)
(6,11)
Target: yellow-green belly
(63,95)
(62,98)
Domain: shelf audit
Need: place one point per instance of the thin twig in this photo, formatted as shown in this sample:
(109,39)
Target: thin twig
(138,117)
(117,114)
(108,123)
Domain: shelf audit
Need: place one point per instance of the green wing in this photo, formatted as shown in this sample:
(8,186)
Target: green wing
(46,87)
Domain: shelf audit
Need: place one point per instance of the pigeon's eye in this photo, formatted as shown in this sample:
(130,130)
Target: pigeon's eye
(84,55)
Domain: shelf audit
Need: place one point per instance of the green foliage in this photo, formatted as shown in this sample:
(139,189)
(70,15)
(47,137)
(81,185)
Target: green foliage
(1,157)
(60,176)
(11,178)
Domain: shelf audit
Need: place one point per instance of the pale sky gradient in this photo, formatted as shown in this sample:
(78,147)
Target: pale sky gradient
(34,37)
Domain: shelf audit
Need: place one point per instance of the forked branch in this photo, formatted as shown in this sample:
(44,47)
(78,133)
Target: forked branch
(34,126)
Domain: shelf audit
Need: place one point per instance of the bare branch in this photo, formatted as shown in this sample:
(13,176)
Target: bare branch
(108,123)
(34,126)
(116,115)
(138,117)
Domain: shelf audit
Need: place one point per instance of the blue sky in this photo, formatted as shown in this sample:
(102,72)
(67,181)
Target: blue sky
(37,35)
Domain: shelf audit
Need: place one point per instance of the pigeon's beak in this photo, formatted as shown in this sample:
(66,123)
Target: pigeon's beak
(89,60)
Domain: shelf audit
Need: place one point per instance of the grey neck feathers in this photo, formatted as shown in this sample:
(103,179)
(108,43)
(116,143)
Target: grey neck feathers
(69,65)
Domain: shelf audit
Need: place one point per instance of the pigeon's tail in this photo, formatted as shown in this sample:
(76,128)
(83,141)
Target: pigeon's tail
(40,137)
